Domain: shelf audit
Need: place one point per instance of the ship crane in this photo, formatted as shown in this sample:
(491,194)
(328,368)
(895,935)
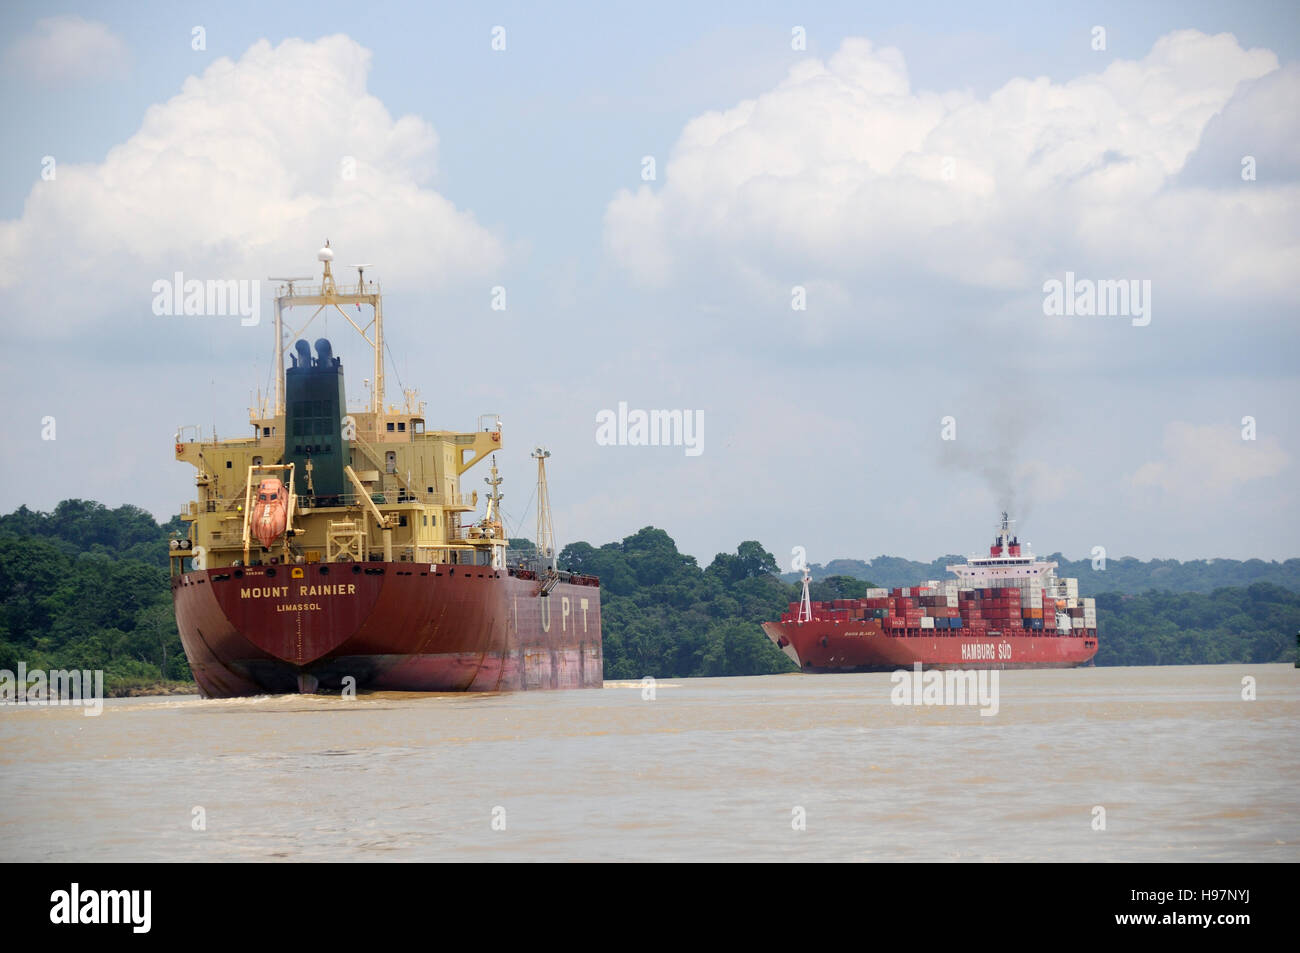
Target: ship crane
(545,529)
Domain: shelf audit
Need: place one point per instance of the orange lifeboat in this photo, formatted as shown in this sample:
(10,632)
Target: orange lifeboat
(270,512)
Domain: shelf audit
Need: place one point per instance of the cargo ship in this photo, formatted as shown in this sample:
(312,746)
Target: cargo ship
(1003,610)
(334,549)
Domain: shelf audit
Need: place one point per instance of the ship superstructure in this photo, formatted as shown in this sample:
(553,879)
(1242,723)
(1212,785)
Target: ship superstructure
(365,484)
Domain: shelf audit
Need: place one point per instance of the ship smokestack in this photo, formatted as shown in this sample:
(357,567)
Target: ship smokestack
(314,407)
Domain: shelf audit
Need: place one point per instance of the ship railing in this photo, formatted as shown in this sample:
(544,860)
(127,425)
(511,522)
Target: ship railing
(215,504)
(384,497)
(370,288)
(381,497)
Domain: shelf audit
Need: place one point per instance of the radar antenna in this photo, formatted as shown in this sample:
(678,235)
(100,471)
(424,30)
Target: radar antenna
(290,281)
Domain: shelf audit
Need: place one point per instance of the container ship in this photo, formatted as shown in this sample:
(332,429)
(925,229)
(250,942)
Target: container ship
(1003,610)
(334,549)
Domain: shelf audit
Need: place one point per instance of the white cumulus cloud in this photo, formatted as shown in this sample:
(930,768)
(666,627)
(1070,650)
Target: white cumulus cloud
(844,171)
(245,171)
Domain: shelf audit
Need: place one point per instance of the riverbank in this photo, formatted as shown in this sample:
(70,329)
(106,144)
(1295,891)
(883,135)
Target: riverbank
(141,687)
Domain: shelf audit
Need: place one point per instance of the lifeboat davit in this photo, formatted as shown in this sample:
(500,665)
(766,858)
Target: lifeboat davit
(270,512)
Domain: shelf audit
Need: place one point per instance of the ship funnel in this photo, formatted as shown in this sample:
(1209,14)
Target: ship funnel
(315,404)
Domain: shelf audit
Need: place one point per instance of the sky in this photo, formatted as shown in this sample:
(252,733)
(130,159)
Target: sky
(841,239)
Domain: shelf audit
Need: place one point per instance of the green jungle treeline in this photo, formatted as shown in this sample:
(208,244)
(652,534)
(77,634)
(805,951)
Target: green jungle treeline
(86,587)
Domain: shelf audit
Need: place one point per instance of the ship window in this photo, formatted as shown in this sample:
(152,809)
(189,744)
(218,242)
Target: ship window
(390,426)
(401,521)
(435,520)
(401,427)
(266,431)
(229,465)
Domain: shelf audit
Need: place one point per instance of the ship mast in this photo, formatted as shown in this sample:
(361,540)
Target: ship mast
(495,496)
(1004,537)
(805,605)
(326,296)
(545,531)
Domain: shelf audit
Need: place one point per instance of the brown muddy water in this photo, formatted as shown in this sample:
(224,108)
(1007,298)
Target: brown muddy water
(709,769)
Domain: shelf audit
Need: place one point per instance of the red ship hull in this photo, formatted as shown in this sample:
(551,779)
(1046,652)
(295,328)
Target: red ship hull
(388,626)
(859,646)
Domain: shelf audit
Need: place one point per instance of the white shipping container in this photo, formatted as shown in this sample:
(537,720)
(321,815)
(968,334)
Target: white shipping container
(951,600)
(927,622)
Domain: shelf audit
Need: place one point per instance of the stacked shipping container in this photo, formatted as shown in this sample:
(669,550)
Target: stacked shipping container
(1005,610)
